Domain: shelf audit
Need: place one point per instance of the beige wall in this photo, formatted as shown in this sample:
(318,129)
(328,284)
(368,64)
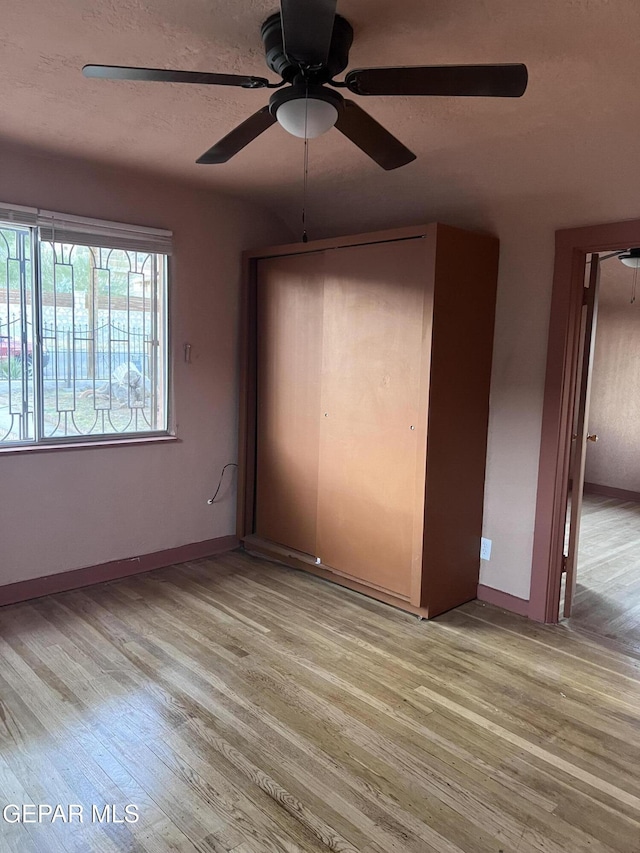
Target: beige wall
(525,225)
(615,393)
(76,508)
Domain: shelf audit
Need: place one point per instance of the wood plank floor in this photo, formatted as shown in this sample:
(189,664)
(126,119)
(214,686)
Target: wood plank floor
(607,600)
(246,707)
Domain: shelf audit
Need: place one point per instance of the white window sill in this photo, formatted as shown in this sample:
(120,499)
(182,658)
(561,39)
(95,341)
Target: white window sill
(86,445)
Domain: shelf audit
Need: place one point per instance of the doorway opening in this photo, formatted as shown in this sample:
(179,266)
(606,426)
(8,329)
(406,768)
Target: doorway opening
(581,255)
(600,584)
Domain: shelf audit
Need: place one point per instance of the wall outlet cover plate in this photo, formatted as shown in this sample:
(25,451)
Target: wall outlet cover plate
(485,549)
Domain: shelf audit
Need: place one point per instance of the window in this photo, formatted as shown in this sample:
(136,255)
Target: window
(83,329)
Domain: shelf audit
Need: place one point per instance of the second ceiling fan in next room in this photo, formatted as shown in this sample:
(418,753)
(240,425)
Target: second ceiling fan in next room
(307,44)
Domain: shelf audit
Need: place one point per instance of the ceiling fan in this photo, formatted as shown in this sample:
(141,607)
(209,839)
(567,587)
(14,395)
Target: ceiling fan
(307,44)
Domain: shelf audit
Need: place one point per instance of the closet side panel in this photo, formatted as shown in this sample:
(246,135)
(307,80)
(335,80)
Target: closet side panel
(463,322)
(371,370)
(289,341)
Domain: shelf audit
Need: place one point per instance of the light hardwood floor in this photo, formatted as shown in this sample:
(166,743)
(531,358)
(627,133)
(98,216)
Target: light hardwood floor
(607,600)
(246,707)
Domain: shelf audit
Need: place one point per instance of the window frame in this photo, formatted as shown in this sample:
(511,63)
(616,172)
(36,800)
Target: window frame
(34,220)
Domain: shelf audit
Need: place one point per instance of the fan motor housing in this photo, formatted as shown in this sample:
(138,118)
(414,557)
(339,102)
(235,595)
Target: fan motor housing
(300,91)
(278,61)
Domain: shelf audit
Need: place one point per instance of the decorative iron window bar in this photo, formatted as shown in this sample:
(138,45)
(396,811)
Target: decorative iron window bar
(83,329)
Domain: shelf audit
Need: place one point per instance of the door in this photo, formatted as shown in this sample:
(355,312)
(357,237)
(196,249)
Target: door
(581,431)
(289,350)
(371,367)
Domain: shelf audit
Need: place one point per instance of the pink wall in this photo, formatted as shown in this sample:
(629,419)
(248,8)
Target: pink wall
(76,508)
(614,415)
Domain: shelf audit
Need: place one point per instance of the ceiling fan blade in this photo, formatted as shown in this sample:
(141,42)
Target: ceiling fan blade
(240,136)
(372,138)
(494,81)
(307,27)
(162,75)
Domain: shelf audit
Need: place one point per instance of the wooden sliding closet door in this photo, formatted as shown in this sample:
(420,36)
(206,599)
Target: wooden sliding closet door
(371,371)
(289,341)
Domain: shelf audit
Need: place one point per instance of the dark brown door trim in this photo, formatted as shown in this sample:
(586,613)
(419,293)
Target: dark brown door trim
(581,429)
(572,247)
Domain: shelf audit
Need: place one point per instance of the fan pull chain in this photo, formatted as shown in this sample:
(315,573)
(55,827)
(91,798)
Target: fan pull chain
(305,180)
(633,289)
(305,184)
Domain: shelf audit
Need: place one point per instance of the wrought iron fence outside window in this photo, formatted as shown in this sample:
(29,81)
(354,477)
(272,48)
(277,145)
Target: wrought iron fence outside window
(83,329)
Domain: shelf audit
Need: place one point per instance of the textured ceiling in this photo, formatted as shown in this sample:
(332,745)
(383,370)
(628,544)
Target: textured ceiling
(580,115)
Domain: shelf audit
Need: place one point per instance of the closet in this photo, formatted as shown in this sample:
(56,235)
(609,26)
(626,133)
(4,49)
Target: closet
(364,406)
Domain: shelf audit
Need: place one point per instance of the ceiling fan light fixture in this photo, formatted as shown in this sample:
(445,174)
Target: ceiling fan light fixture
(306,107)
(307,45)
(631,258)
(307,117)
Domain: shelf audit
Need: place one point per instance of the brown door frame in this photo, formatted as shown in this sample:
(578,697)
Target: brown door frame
(572,247)
(581,428)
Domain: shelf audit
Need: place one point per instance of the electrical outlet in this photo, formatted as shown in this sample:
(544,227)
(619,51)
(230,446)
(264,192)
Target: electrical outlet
(485,549)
